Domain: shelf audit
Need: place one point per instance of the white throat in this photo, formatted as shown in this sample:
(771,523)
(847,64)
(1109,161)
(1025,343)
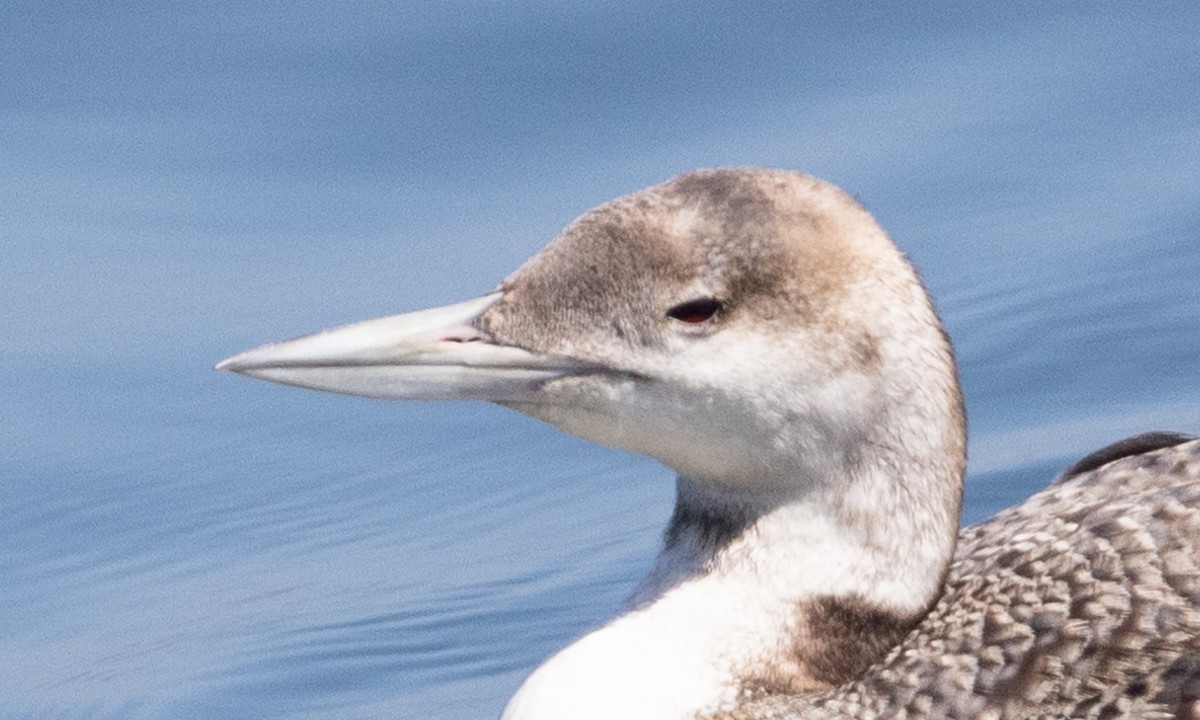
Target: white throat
(734,604)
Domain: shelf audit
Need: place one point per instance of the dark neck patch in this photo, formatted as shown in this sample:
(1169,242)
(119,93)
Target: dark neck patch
(846,635)
(837,639)
(709,529)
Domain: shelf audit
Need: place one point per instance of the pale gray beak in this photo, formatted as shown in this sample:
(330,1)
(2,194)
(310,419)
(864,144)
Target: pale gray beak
(434,354)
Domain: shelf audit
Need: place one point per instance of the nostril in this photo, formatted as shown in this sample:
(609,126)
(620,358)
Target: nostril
(462,335)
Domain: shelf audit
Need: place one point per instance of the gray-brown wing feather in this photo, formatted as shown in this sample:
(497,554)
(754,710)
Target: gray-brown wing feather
(1083,602)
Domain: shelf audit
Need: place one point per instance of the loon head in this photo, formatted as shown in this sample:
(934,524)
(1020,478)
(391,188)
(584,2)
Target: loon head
(748,328)
(756,331)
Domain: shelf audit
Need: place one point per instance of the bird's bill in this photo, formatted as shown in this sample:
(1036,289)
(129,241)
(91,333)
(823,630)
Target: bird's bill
(434,354)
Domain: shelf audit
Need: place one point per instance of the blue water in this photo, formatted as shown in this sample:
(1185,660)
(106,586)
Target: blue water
(178,183)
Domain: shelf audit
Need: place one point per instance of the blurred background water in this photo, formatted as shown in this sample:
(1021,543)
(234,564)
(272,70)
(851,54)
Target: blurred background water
(181,181)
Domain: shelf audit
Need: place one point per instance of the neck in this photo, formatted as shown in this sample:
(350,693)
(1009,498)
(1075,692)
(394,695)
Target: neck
(775,594)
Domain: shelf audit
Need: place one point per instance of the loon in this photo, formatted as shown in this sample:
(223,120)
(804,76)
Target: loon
(757,331)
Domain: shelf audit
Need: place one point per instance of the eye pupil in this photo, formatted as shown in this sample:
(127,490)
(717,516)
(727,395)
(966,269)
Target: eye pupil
(696,311)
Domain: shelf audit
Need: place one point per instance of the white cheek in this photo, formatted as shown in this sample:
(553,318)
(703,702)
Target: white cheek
(733,407)
(687,431)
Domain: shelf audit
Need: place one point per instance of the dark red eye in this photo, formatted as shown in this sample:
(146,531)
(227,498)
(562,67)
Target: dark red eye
(696,311)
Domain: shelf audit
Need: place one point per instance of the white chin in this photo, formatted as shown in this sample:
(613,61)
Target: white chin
(705,453)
